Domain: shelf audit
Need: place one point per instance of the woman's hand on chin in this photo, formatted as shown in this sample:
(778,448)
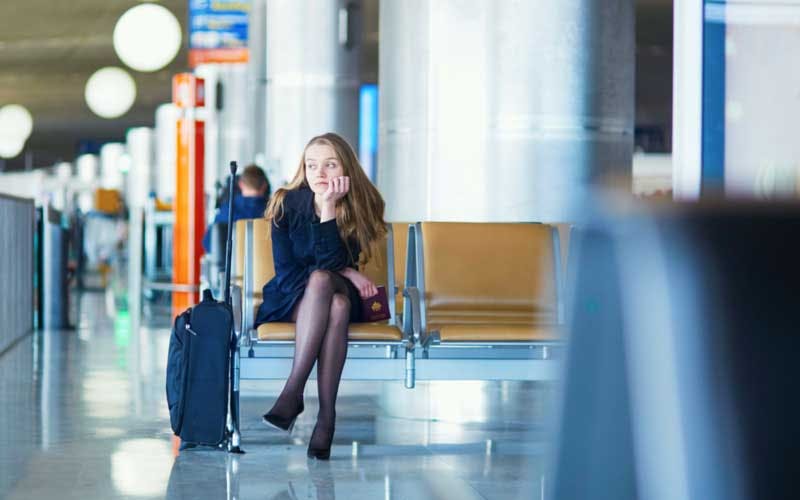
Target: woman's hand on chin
(338,187)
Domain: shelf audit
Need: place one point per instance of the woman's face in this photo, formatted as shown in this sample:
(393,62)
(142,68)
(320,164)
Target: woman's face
(321,166)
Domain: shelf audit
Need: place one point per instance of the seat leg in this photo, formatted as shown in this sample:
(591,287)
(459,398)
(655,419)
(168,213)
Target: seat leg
(410,370)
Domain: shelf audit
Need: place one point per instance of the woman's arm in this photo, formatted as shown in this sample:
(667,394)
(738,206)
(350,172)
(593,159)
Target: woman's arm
(333,255)
(366,288)
(330,251)
(289,272)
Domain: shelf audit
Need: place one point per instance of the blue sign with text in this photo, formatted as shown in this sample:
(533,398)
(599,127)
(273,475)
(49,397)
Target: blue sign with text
(218,31)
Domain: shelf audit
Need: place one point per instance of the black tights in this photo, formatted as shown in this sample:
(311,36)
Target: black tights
(321,316)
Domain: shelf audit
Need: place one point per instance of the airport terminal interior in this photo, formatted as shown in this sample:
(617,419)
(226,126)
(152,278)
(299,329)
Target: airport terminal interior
(565,254)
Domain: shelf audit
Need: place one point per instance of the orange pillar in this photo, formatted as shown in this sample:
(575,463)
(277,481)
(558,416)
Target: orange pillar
(188,94)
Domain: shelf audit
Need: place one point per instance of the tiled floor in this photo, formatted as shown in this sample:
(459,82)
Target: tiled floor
(83,416)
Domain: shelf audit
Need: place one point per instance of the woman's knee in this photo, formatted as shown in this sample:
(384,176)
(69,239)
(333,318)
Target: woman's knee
(321,281)
(340,307)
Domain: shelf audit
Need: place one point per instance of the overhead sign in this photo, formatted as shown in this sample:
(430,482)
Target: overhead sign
(218,31)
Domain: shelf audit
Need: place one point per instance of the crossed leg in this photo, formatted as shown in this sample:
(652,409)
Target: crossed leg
(322,317)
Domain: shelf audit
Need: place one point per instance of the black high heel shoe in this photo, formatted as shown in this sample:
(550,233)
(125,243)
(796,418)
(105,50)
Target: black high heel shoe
(283,423)
(320,453)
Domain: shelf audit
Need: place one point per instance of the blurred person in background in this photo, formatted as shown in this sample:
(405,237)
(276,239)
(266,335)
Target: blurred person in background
(250,202)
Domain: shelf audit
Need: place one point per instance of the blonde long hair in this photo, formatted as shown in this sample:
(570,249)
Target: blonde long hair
(359,214)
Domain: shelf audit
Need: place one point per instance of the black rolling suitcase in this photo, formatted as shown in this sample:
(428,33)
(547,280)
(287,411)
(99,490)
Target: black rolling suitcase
(199,366)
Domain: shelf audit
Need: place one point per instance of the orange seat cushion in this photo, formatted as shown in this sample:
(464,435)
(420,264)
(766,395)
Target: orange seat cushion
(476,317)
(357,331)
(498,333)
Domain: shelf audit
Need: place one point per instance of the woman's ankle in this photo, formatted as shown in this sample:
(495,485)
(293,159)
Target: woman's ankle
(326,419)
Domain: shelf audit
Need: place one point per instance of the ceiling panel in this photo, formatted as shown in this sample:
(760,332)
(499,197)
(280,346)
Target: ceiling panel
(49,49)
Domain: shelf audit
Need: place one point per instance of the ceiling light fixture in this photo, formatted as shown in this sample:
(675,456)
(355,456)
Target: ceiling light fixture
(147,37)
(110,92)
(11,147)
(16,122)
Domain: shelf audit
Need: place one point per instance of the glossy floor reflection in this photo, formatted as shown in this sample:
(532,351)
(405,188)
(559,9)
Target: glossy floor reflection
(82,415)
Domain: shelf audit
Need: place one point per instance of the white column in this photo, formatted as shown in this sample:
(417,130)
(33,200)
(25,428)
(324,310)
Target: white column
(313,58)
(687,116)
(502,110)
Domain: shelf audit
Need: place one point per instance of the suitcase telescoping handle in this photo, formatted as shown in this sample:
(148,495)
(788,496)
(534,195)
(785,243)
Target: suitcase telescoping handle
(229,240)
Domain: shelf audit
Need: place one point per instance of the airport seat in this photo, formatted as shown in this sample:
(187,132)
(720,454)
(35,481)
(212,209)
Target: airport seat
(489,283)
(377,270)
(377,351)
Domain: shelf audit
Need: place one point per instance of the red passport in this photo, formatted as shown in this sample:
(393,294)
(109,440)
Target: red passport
(375,308)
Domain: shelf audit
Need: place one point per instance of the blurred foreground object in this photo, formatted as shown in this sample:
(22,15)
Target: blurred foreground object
(681,367)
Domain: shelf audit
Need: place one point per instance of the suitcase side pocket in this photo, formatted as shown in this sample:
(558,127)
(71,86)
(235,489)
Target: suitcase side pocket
(177,376)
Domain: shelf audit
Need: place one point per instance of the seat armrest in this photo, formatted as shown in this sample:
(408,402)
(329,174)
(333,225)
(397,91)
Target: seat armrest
(252,335)
(412,327)
(236,304)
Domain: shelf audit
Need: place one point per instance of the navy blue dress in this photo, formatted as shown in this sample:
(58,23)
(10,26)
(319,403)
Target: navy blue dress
(300,245)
